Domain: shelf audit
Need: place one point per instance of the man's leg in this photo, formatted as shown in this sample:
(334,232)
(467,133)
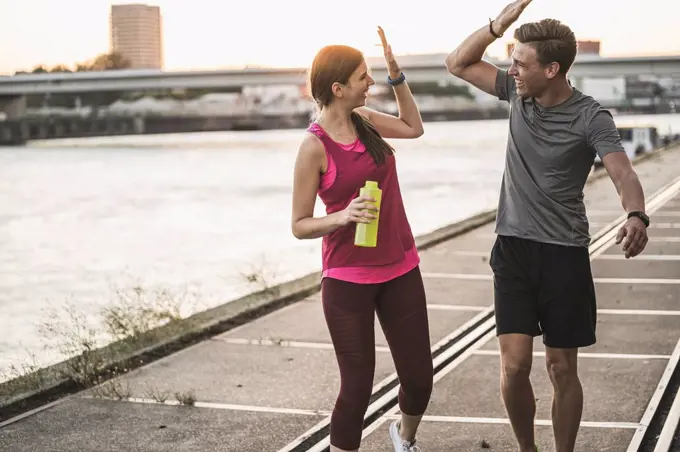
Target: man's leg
(568,318)
(518,396)
(516,271)
(567,405)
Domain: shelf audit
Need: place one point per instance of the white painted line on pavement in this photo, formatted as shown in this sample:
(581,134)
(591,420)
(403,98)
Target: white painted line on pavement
(665,239)
(616,213)
(496,352)
(453,307)
(664,225)
(641,257)
(229,406)
(638,312)
(290,344)
(471,253)
(478,277)
(603,212)
(651,226)
(495,420)
(636,280)
(471,276)
(667,213)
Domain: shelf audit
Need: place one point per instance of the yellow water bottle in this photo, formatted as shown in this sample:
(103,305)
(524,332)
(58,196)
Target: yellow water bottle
(367,233)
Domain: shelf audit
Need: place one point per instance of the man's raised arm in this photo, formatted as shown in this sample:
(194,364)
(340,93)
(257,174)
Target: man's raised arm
(465,62)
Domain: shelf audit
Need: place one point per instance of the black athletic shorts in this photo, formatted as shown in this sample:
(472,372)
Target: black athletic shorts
(543,288)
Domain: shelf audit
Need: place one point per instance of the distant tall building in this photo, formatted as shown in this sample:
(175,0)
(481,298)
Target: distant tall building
(584,48)
(136,33)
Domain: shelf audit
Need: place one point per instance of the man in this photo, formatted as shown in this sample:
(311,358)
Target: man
(542,276)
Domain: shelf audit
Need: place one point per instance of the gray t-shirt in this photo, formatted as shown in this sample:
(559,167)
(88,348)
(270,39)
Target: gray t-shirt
(549,156)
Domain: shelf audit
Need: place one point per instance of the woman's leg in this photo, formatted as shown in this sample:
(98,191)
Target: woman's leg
(402,312)
(349,310)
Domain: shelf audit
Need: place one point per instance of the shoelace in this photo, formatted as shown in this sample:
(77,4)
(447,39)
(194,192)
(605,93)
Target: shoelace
(410,448)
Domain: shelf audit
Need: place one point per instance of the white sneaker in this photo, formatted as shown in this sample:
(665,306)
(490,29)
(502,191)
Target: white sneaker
(401,445)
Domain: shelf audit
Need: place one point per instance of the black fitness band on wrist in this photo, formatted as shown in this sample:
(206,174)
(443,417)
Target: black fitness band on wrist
(493,32)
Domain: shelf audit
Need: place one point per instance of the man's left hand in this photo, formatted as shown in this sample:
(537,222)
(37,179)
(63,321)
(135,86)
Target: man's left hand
(633,234)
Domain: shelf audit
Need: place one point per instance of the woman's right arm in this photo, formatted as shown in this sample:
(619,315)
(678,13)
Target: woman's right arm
(307,175)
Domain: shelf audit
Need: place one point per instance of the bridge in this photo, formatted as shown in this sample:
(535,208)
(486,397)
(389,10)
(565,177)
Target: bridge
(418,68)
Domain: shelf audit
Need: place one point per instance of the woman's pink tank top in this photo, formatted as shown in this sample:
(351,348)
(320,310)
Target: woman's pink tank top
(349,167)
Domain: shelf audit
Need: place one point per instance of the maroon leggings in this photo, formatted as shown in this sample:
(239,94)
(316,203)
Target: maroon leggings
(400,307)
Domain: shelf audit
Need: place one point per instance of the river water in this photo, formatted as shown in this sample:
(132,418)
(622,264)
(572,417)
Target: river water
(205,213)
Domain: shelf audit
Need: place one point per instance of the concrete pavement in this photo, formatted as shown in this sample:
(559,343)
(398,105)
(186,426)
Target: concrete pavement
(262,386)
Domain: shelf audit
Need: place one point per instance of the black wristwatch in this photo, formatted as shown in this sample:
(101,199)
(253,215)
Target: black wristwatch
(640,215)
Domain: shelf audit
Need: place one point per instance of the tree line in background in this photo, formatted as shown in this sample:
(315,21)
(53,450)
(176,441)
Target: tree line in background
(102,62)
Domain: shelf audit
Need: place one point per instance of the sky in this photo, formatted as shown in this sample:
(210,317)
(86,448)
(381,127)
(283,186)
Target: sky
(207,34)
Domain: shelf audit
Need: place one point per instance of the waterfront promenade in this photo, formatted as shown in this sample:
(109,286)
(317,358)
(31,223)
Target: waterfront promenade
(269,384)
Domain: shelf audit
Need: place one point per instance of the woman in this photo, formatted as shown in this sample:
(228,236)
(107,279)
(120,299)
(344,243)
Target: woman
(343,149)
